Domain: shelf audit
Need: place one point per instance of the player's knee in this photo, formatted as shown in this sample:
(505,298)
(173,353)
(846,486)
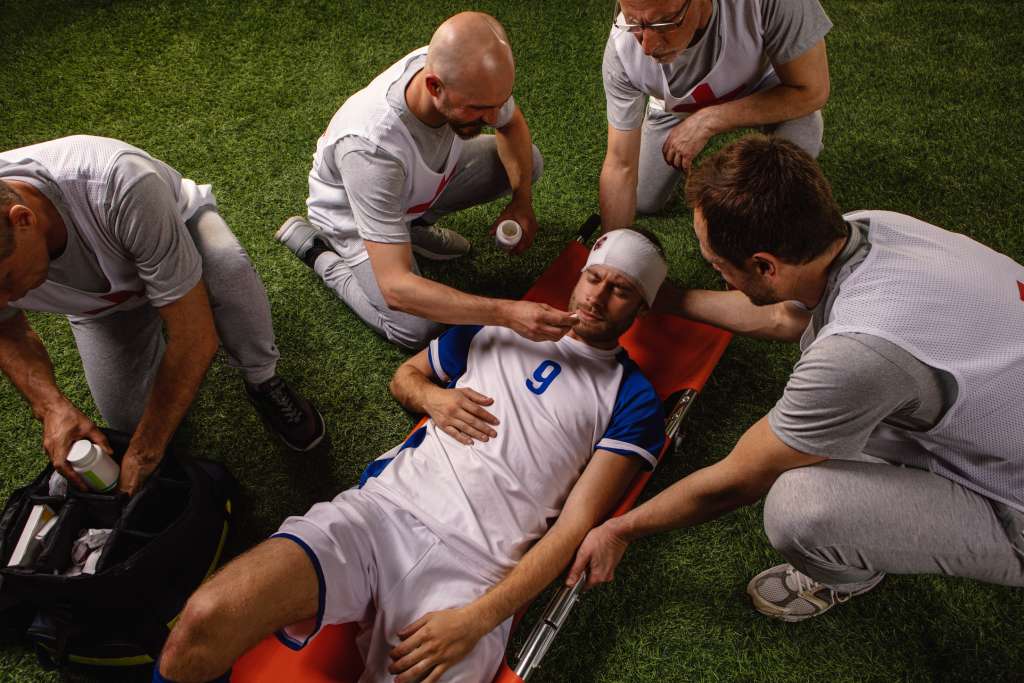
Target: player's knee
(192,641)
(225,267)
(796,515)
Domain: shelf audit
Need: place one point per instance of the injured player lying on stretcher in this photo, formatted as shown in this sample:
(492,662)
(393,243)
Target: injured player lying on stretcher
(448,534)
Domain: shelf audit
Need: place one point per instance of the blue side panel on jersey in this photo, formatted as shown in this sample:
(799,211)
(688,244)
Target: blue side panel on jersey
(373,470)
(637,417)
(380,464)
(453,349)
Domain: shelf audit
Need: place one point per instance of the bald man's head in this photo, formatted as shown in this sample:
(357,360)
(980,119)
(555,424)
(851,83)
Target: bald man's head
(470,54)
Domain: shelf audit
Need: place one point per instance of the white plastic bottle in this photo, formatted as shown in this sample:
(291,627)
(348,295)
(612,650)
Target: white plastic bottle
(508,234)
(97,468)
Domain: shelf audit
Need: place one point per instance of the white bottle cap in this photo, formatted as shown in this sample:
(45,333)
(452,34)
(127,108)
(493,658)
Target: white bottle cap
(82,453)
(508,234)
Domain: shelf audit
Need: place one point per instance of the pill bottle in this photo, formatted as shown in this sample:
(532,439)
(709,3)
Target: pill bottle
(97,468)
(508,234)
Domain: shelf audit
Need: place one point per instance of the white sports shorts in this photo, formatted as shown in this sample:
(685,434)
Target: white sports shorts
(379,566)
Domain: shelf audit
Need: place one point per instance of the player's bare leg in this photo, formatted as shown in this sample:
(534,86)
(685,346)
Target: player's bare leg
(269,587)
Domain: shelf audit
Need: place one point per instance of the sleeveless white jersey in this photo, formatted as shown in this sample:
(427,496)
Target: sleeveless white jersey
(958,306)
(742,67)
(79,166)
(556,402)
(368,115)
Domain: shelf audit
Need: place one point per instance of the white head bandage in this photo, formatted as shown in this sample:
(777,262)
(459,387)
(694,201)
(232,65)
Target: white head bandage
(633,255)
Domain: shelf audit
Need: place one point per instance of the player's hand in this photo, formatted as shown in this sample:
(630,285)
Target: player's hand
(136,467)
(63,425)
(539,322)
(686,140)
(461,414)
(520,211)
(600,553)
(434,643)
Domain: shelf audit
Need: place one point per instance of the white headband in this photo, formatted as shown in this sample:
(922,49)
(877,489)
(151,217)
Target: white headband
(633,255)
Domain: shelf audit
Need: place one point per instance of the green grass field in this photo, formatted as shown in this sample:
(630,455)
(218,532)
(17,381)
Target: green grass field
(925,118)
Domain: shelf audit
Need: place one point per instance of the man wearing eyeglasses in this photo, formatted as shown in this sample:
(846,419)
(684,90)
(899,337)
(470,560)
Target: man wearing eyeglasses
(400,154)
(708,67)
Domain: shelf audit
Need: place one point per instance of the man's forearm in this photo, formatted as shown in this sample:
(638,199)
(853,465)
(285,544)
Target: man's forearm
(538,568)
(423,297)
(775,105)
(515,149)
(733,311)
(617,195)
(693,500)
(411,388)
(24,360)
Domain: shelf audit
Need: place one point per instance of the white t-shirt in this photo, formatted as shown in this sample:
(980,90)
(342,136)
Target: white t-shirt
(789,29)
(125,215)
(557,402)
(358,189)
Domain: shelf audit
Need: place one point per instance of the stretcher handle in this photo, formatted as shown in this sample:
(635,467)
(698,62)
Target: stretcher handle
(586,230)
(551,621)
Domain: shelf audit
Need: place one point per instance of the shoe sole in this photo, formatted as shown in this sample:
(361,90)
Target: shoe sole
(284,233)
(770,610)
(427,254)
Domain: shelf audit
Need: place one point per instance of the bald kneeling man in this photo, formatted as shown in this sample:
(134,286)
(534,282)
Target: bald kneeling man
(400,154)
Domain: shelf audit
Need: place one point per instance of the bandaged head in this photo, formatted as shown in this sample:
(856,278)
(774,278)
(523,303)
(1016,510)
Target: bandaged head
(633,255)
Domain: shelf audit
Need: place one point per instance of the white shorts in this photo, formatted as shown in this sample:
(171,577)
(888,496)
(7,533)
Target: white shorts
(379,566)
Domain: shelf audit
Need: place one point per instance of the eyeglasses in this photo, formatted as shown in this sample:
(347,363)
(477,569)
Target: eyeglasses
(658,26)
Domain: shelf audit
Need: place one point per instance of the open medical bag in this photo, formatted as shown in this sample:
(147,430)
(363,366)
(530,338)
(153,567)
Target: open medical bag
(165,540)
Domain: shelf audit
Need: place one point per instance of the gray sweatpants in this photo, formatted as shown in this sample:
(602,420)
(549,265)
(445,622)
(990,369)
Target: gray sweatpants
(657,181)
(480,178)
(121,352)
(844,522)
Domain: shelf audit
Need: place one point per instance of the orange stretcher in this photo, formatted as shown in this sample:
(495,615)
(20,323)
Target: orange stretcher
(676,355)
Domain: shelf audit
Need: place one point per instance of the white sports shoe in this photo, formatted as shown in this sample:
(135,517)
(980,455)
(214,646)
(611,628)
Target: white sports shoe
(438,244)
(784,593)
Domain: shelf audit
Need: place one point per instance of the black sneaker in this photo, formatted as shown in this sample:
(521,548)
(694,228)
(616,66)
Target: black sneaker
(294,419)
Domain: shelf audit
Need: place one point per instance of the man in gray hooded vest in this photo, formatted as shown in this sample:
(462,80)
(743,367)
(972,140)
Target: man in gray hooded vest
(898,443)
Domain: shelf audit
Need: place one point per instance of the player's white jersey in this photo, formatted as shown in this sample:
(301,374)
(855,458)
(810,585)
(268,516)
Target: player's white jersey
(556,402)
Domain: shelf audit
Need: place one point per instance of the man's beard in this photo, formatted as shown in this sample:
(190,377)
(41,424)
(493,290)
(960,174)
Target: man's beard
(762,297)
(466,131)
(601,332)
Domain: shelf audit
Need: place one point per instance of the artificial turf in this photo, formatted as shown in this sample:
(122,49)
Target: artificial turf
(924,118)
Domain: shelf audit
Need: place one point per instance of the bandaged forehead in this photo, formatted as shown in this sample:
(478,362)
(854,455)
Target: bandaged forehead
(633,255)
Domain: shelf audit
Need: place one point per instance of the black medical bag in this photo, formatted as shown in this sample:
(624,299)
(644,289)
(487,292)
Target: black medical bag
(166,539)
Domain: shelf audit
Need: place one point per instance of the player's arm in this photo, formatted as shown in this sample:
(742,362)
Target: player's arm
(619,177)
(515,149)
(458,411)
(404,290)
(191,344)
(733,311)
(739,479)
(438,640)
(24,360)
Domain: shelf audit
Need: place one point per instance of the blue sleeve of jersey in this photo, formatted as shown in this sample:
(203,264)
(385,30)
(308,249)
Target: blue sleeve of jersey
(448,353)
(637,426)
